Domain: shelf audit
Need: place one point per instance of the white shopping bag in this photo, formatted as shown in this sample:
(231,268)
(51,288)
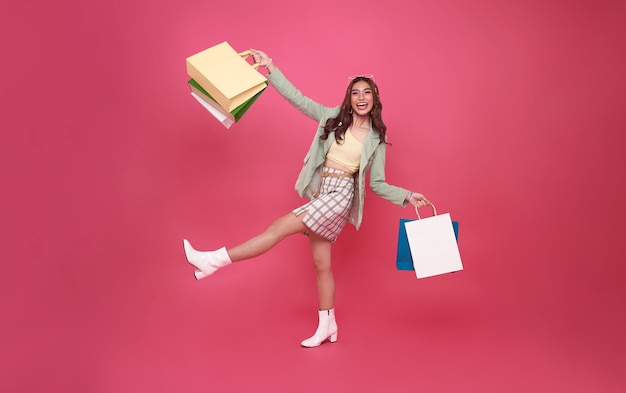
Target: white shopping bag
(433,245)
(222,118)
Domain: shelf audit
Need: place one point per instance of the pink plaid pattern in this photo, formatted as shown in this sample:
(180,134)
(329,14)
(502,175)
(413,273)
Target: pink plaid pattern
(327,214)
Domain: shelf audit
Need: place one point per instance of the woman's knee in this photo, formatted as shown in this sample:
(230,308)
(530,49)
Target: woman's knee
(321,265)
(321,252)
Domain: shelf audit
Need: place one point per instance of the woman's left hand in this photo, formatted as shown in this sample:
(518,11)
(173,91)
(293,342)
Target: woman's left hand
(418,200)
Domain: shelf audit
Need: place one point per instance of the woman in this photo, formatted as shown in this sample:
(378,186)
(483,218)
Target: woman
(350,140)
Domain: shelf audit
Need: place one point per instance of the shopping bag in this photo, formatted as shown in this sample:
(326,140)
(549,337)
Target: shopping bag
(403,252)
(433,245)
(221,114)
(215,111)
(226,75)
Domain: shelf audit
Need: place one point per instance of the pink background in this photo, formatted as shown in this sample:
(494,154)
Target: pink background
(508,115)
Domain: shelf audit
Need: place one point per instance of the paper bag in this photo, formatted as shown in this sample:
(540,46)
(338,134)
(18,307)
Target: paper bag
(207,101)
(226,75)
(403,252)
(433,245)
(217,113)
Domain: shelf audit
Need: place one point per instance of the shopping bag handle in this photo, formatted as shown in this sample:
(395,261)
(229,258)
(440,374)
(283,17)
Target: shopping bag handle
(245,55)
(431,205)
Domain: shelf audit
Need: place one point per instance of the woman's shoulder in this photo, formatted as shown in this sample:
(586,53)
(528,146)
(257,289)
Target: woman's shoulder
(333,110)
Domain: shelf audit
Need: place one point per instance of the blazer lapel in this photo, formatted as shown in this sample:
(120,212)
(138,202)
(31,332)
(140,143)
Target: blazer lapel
(371,142)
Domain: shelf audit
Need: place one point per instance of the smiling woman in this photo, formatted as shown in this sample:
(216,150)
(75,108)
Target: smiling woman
(350,140)
(361,98)
(510,114)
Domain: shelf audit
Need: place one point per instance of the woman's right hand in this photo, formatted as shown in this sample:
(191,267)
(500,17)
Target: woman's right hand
(262,59)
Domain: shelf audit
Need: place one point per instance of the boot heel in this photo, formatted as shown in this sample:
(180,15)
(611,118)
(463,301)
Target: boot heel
(326,329)
(198,274)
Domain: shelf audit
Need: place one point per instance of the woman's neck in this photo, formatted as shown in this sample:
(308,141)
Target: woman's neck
(361,121)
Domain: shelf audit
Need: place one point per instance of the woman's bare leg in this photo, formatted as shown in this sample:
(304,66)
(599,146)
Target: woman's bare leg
(286,225)
(208,262)
(321,252)
(327,325)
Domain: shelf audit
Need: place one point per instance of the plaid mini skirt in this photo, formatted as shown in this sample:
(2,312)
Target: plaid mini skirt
(328,211)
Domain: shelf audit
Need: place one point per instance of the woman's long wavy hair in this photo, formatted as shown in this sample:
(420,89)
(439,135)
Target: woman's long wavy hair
(343,120)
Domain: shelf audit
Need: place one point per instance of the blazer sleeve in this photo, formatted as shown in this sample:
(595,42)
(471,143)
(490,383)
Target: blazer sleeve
(302,103)
(378,183)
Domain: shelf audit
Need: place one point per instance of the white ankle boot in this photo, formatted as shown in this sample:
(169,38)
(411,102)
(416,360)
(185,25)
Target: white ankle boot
(327,329)
(206,262)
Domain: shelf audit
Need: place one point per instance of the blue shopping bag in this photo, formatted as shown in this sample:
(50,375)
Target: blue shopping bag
(404,261)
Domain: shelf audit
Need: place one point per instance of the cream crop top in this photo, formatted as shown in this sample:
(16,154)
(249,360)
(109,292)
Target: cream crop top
(348,153)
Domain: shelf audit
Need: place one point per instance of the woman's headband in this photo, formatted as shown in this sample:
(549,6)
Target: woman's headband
(368,76)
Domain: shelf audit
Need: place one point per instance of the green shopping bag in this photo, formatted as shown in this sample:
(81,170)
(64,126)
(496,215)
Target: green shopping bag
(222,115)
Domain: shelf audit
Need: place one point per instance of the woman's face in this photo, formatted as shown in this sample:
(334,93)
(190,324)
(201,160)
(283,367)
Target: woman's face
(361,98)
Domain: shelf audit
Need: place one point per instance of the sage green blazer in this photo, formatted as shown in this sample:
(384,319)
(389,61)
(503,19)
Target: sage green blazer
(372,156)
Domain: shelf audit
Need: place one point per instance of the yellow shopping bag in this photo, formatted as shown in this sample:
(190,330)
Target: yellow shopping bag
(226,75)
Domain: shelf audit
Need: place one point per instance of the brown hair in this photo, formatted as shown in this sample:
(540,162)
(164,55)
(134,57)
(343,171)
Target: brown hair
(343,120)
